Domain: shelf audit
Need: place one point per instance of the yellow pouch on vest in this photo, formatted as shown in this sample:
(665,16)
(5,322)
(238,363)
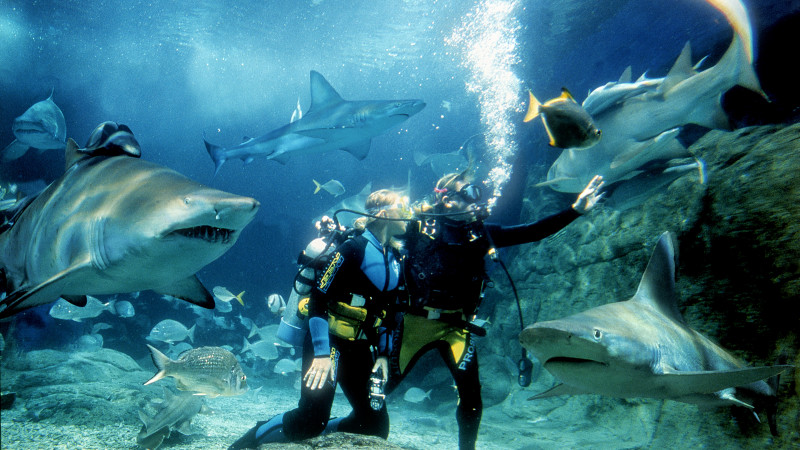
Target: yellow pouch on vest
(345,321)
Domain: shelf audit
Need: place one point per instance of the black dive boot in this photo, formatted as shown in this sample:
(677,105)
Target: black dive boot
(262,433)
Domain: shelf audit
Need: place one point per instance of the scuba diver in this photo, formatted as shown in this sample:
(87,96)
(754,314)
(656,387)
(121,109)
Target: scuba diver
(351,318)
(445,278)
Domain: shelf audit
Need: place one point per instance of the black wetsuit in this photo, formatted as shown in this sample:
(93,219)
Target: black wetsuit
(359,266)
(445,273)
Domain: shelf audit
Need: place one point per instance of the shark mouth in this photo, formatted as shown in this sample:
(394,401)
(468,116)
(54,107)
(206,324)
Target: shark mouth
(207,233)
(568,360)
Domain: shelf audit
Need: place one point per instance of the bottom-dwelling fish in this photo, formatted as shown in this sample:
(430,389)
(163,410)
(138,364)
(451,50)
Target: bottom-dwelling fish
(174,412)
(567,124)
(211,371)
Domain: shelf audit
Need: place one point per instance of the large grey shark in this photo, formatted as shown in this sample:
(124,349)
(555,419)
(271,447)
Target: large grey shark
(642,347)
(640,120)
(330,123)
(42,126)
(114,223)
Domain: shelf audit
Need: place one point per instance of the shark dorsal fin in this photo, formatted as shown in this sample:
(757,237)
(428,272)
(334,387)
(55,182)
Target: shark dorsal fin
(681,70)
(657,287)
(626,76)
(72,155)
(322,93)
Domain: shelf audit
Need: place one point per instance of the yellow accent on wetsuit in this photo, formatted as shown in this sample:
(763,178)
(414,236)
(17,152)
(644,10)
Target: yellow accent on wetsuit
(420,331)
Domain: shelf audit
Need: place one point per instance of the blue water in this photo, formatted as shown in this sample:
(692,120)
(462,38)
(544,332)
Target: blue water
(175,70)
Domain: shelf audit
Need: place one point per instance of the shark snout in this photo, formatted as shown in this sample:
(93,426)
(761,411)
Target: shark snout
(235,212)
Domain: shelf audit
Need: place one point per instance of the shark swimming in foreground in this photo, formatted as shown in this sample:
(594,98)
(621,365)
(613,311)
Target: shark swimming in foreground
(42,126)
(330,123)
(114,223)
(174,413)
(641,120)
(642,347)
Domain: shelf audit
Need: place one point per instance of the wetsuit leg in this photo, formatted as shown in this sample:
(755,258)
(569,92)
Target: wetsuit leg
(470,406)
(313,409)
(355,370)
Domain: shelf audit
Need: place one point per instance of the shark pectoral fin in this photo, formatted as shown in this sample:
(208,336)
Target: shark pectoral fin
(77,300)
(184,427)
(45,292)
(14,150)
(359,150)
(560,389)
(707,382)
(191,290)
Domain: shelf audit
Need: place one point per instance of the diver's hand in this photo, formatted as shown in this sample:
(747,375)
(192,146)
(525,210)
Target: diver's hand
(382,363)
(326,226)
(318,373)
(589,197)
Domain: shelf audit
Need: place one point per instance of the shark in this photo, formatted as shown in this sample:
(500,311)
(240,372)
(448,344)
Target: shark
(642,347)
(329,123)
(42,126)
(173,412)
(641,120)
(115,223)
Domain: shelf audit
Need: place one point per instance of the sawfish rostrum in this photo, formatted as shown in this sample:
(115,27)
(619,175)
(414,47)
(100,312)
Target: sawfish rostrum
(114,223)
(642,347)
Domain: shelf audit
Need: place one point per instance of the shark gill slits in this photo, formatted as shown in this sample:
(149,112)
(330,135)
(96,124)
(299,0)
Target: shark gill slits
(207,233)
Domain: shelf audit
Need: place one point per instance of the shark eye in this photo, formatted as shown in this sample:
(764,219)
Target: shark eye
(598,334)
(187,200)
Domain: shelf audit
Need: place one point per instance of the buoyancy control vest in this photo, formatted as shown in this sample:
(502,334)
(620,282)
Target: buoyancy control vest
(444,265)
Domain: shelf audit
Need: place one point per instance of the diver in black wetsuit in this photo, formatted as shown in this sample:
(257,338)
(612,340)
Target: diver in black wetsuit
(445,277)
(351,312)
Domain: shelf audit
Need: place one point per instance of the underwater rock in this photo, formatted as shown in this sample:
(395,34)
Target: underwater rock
(101,387)
(339,441)
(7,400)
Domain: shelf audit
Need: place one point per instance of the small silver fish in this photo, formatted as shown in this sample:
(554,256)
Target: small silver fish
(416,395)
(171,331)
(65,310)
(211,371)
(285,367)
(333,187)
(124,308)
(567,124)
(225,295)
(266,350)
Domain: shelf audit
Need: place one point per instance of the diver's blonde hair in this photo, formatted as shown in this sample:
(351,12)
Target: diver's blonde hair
(375,203)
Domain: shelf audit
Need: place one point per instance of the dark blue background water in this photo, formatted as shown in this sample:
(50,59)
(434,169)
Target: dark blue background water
(174,70)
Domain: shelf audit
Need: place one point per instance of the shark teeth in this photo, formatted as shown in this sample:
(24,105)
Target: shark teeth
(207,233)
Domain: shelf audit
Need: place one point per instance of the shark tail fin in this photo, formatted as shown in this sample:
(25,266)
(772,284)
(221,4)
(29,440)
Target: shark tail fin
(160,360)
(217,154)
(319,186)
(533,108)
(239,298)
